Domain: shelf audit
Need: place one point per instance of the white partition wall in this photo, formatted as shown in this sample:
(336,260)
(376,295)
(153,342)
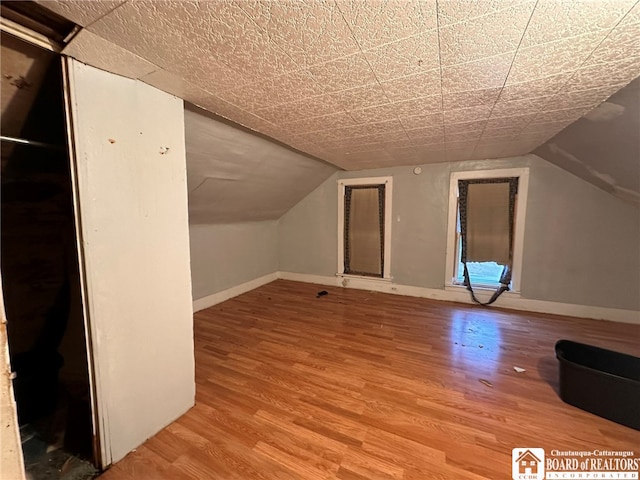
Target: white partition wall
(131,195)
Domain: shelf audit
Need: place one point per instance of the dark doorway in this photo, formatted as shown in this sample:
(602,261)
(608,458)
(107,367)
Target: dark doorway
(40,270)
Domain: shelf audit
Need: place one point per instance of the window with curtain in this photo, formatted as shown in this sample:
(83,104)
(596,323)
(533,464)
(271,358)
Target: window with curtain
(487,210)
(364,230)
(364,227)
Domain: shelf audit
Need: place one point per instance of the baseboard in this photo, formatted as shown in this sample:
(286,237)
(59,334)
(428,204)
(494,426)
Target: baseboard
(214,299)
(514,302)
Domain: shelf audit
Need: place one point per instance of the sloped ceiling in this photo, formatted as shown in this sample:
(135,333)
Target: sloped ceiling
(603,147)
(236,176)
(373,83)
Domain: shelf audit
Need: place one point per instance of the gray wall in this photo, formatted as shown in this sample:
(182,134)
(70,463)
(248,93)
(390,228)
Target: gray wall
(580,246)
(602,147)
(226,255)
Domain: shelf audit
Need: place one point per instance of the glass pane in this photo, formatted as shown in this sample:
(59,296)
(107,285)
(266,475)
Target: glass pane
(480,273)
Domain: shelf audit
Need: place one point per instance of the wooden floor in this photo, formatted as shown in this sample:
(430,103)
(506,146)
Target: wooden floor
(363,385)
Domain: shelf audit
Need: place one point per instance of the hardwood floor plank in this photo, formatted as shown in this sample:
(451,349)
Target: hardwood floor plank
(363,385)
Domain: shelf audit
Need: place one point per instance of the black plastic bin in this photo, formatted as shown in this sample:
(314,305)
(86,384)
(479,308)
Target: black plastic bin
(600,381)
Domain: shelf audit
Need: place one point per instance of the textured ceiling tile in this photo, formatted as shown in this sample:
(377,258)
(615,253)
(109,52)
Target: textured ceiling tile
(451,129)
(375,128)
(343,73)
(310,32)
(463,145)
(292,87)
(421,121)
(404,155)
(519,107)
(547,59)
(294,70)
(421,141)
(313,124)
(463,137)
(373,114)
(179,87)
(376,22)
(454,11)
(459,155)
(633,16)
(188,33)
(80,11)
(621,44)
(515,121)
(394,136)
(413,86)
(346,148)
(603,75)
(175,85)
(488,152)
(561,115)
(308,107)
(578,98)
(362,160)
(430,142)
(207,73)
(424,132)
(423,106)
(360,97)
(491,143)
(405,57)
(429,149)
(501,132)
(251,97)
(427,154)
(93,50)
(557,19)
(285,88)
(305,143)
(420,106)
(540,87)
(464,115)
(364,130)
(478,75)
(486,36)
(472,98)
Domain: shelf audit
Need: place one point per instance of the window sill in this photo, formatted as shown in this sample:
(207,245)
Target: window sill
(484,289)
(364,277)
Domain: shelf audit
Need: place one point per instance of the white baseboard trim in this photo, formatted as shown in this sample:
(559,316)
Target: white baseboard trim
(514,302)
(211,300)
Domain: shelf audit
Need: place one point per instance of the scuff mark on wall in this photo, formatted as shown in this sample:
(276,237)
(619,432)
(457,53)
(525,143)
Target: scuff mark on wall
(603,180)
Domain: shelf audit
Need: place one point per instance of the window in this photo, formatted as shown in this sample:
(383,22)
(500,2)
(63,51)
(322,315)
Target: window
(489,193)
(364,227)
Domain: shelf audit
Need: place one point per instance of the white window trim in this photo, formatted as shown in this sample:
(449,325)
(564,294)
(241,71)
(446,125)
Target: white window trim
(388,195)
(518,241)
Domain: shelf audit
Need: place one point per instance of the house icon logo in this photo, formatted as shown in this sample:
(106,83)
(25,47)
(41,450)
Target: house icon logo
(527,463)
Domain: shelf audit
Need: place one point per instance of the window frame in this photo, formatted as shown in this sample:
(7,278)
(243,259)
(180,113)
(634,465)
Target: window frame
(520,221)
(388,195)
